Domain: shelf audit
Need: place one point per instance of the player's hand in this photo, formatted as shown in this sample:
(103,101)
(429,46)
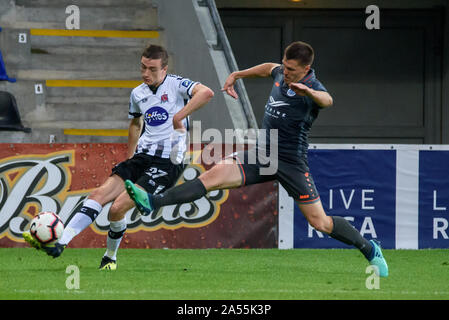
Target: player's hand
(300,89)
(228,87)
(177,123)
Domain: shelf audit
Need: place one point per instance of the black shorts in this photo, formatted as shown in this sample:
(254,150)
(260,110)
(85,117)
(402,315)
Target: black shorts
(295,178)
(154,174)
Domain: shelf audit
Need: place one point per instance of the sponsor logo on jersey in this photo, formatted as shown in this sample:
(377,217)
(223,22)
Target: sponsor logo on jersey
(274,113)
(273,103)
(156,116)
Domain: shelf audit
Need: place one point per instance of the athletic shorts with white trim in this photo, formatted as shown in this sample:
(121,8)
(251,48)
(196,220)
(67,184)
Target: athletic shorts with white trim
(295,178)
(154,174)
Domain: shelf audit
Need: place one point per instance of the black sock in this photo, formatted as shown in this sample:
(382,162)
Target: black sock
(346,233)
(184,193)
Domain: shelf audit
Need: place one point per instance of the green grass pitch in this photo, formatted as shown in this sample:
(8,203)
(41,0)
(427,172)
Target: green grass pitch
(222,274)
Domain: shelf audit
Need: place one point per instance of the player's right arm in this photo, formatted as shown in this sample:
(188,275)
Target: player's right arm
(134,130)
(135,125)
(261,70)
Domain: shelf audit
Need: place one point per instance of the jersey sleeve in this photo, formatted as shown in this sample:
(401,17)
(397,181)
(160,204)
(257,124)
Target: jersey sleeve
(134,110)
(185,87)
(318,86)
(276,71)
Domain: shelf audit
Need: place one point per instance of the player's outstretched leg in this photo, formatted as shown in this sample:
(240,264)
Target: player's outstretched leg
(340,229)
(378,260)
(92,207)
(117,228)
(146,203)
(79,222)
(116,231)
(53,250)
(141,198)
(82,219)
(346,233)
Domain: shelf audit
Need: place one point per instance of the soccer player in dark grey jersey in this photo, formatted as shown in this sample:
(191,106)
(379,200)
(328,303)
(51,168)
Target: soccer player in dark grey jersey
(294,103)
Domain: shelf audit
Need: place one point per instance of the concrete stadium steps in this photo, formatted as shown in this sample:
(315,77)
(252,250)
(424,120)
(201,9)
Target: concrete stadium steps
(86,93)
(83,3)
(27,100)
(123,100)
(85,57)
(94,45)
(86,124)
(86,107)
(128,16)
(39,48)
(107,47)
(82,111)
(43,135)
(39,74)
(115,61)
(65,107)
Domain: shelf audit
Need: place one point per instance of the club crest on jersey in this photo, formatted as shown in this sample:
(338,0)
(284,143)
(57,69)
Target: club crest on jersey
(291,93)
(156,116)
(164,98)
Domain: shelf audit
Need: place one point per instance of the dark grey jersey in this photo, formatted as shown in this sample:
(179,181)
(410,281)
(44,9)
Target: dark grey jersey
(292,115)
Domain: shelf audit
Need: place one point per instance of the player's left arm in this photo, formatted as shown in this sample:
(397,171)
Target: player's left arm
(201,95)
(321,98)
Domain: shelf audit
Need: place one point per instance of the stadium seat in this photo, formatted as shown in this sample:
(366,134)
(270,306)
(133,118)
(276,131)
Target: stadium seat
(3,74)
(9,114)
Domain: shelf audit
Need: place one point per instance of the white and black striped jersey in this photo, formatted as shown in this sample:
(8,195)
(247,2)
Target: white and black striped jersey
(158,108)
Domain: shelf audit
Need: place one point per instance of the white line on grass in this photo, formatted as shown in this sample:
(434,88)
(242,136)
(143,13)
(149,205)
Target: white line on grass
(224,291)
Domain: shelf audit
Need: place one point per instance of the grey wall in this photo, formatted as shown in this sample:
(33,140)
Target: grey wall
(445,78)
(386,83)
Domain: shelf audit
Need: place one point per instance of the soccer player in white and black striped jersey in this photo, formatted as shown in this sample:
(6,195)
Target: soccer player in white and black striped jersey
(154,159)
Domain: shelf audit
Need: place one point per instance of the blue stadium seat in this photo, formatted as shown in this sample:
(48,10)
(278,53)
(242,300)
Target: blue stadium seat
(3,74)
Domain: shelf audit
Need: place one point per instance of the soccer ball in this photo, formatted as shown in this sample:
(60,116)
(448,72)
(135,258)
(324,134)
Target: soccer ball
(46,227)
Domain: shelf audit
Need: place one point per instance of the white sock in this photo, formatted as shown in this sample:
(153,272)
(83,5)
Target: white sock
(92,204)
(81,220)
(113,243)
(78,223)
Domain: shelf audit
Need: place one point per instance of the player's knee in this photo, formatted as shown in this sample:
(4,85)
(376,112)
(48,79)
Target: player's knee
(211,178)
(116,212)
(98,195)
(223,175)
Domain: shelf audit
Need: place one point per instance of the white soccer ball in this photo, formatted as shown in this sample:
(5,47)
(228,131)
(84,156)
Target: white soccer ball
(46,227)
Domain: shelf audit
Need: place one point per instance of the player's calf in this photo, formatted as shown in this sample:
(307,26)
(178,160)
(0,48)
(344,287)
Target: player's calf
(115,235)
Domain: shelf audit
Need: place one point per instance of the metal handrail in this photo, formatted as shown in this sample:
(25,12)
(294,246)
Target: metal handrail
(224,45)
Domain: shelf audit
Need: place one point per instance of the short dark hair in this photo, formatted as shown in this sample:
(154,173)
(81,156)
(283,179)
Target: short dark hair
(301,52)
(153,51)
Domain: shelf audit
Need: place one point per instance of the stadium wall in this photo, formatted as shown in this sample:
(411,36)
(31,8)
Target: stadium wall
(397,194)
(58,177)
